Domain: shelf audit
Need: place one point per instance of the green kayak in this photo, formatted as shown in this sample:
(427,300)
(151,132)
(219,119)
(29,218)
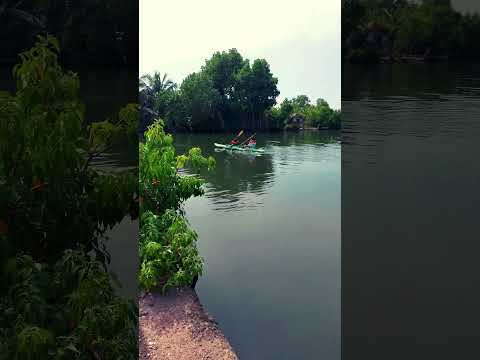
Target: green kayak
(240,148)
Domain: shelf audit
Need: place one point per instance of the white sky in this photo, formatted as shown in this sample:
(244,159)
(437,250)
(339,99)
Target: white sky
(471,6)
(299,39)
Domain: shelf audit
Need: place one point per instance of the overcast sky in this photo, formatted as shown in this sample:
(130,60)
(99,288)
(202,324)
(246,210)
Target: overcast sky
(466,5)
(299,39)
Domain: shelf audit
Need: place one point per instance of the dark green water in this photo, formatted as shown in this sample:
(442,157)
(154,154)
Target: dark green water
(269,232)
(122,240)
(410,192)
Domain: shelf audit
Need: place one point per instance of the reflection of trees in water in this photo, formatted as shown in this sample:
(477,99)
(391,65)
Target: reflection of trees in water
(309,137)
(359,81)
(294,149)
(241,173)
(240,179)
(421,100)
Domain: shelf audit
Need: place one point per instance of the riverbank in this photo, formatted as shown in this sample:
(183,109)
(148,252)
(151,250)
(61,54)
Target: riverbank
(175,326)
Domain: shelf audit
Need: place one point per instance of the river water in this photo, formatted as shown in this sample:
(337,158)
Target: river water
(269,232)
(410,180)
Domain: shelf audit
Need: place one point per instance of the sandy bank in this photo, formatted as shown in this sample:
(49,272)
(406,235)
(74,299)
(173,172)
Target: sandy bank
(176,327)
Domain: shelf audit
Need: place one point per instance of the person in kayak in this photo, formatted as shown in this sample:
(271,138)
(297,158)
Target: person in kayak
(236,140)
(252,142)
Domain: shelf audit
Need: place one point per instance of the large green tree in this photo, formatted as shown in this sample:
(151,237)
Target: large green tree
(200,100)
(256,91)
(222,68)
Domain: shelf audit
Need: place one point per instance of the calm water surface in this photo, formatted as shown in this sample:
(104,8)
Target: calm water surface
(269,232)
(122,240)
(410,195)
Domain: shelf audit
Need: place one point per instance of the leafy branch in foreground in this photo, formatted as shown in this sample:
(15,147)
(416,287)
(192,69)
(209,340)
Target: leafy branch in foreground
(57,300)
(167,248)
(64,310)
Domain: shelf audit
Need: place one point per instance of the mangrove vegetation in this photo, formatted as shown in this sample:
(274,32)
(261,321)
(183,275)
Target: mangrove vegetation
(228,93)
(402,30)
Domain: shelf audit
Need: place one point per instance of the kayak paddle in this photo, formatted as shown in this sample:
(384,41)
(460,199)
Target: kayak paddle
(236,137)
(247,139)
(239,134)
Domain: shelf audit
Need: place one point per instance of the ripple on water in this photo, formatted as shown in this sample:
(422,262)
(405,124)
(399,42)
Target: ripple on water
(242,184)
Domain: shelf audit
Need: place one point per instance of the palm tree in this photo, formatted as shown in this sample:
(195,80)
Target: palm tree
(156,84)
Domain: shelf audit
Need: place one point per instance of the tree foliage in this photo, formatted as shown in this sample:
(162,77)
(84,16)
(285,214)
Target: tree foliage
(230,93)
(227,93)
(55,208)
(160,91)
(372,28)
(200,100)
(167,245)
(256,90)
(318,115)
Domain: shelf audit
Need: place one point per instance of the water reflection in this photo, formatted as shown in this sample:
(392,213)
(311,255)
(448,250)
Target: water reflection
(122,240)
(409,192)
(442,101)
(241,180)
(269,232)
(120,158)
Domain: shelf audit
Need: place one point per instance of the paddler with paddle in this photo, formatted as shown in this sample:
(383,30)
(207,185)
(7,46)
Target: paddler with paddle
(250,142)
(235,140)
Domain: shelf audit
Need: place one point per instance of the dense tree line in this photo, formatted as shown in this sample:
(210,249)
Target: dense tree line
(395,29)
(318,115)
(89,31)
(228,93)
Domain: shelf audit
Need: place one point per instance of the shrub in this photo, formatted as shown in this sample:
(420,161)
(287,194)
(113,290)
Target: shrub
(167,248)
(57,300)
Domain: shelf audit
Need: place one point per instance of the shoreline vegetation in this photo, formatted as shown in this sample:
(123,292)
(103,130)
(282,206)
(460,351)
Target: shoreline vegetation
(58,299)
(229,94)
(167,245)
(171,315)
(402,31)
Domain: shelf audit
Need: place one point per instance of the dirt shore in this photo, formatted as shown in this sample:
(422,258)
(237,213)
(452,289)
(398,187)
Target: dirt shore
(175,326)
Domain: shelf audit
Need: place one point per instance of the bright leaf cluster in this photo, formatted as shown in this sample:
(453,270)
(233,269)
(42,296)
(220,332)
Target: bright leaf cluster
(168,252)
